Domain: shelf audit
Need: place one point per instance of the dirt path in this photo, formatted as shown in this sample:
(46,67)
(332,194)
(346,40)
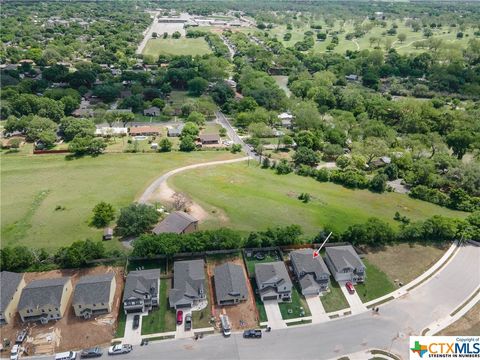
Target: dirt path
(161,192)
(356,43)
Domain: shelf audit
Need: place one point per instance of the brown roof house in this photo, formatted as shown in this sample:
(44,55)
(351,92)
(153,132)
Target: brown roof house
(209,139)
(93,295)
(45,300)
(177,222)
(144,130)
(11,285)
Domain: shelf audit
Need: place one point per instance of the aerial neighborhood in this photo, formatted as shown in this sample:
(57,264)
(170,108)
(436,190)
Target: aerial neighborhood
(290,180)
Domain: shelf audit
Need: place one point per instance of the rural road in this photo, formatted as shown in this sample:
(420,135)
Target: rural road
(150,190)
(147,33)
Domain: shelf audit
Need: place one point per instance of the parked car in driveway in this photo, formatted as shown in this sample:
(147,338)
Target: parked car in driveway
(188,322)
(119,349)
(350,287)
(252,334)
(136,322)
(91,353)
(179,317)
(14,353)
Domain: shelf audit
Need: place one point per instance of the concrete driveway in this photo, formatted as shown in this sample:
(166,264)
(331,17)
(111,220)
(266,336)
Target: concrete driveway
(316,308)
(274,316)
(356,304)
(180,332)
(133,336)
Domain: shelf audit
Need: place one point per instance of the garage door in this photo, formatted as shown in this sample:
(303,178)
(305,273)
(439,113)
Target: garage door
(271,297)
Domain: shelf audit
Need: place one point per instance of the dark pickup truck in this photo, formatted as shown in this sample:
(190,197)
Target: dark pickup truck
(252,334)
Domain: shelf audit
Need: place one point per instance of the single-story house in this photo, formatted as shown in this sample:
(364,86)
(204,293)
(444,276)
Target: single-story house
(175,131)
(145,130)
(177,222)
(273,282)
(111,131)
(351,77)
(188,284)
(45,300)
(107,233)
(83,113)
(345,264)
(93,295)
(141,291)
(312,273)
(152,111)
(209,139)
(230,284)
(382,161)
(11,285)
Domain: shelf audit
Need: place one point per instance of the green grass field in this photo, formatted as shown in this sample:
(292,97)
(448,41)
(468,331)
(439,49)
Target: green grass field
(293,310)
(334,300)
(376,285)
(250,199)
(182,46)
(163,318)
(33,186)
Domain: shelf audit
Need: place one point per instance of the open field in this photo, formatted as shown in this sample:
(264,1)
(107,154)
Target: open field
(467,325)
(446,34)
(236,190)
(33,186)
(404,262)
(70,332)
(182,46)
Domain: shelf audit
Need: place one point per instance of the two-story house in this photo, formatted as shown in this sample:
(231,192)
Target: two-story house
(141,291)
(45,300)
(11,285)
(93,295)
(273,281)
(312,273)
(188,284)
(345,264)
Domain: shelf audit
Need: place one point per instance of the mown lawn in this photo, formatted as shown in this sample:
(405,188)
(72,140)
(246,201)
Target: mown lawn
(252,199)
(201,319)
(262,314)
(47,201)
(163,318)
(121,322)
(182,46)
(334,300)
(376,285)
(297,305)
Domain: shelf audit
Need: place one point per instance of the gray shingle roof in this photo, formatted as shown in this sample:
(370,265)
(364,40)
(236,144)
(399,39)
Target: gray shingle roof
(274,272)
(188,281)
(9,282)
(139,281)
(209,137)
(304,261)
(93,289)
(344,257)
(175,222)
(229,282)
(42,292)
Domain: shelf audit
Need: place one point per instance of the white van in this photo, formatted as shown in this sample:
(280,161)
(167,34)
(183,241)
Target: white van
(227,329)
(68,355)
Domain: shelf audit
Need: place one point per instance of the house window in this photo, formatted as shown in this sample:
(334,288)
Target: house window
(79,306)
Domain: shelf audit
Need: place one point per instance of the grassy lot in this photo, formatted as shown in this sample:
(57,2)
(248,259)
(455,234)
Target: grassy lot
(236,190)
(163,318)
(334,300)
(182,46)
(282,81)
(298,301)
(121,322)
(405,262)
(262,314)
(467,325)
(201,319)
(177,98)
(251,261)
(376,285)
(147,264)
(33,186)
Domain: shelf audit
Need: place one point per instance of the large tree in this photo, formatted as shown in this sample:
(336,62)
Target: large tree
(136,219)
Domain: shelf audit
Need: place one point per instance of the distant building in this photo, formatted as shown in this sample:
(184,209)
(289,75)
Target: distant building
(312,273)
(107,233)
(45,300)
(345,264)
(175,131)
(93,295)
(230,284)
(141,291)
(286,120)
(152,111)
(11,285)
(382,161)
(351,77)
(188,284)
(83,113)
(177,222)
(273,281)
(209,139)
(111,131)
(145,130)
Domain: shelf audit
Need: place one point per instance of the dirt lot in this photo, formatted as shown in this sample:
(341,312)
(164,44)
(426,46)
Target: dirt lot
(70,332)
(467,325)
(245,311)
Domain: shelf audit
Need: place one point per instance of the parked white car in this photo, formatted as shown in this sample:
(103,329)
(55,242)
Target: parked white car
(14,353)
(119,349)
